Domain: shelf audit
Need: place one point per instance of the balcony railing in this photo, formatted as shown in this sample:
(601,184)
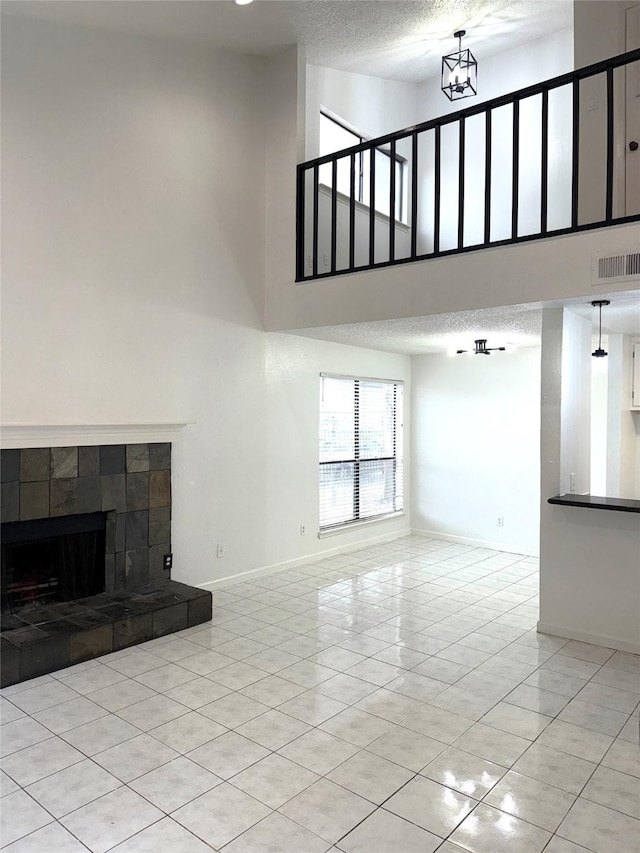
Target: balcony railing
(540,162)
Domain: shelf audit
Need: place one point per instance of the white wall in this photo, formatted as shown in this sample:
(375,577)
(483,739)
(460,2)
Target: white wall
(134,188)
(475,447)
(402,239)
(372,105)
(599,29)
(558,268)
(589,578)
(599,459)
(629,429)
(599,33)
(284,98)
(293,367)
(623,437)
(500,74)
(575,458)
(133,213)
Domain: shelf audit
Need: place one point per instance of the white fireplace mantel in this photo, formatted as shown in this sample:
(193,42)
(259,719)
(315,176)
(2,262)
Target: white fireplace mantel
(14,436)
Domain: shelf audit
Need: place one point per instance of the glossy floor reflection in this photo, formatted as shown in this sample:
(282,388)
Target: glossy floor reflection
(391,700)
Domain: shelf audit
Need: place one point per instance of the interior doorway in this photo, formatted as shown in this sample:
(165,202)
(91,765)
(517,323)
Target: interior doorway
(632,115)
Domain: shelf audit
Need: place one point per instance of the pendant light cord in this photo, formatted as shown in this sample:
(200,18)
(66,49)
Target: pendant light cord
(600,327)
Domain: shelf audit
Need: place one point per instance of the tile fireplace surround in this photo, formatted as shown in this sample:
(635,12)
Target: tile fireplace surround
(131,484)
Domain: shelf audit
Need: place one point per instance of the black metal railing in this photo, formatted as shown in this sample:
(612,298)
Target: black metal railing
(539,162)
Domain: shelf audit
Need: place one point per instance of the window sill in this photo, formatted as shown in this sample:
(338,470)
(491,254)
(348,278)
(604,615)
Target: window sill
(355,525)
(364,208)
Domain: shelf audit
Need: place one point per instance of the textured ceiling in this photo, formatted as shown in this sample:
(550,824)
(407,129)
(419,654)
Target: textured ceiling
(622,316)
(399,39)
(507,326)
(439,332)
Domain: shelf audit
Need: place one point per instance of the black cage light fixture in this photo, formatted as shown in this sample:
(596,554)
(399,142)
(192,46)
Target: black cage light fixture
(598,303)
(481,348)
(459,72)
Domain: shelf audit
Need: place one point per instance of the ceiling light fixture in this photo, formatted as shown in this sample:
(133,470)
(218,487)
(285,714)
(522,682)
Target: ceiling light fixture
(459,72)
(481,348)
(242,2)
(598,303)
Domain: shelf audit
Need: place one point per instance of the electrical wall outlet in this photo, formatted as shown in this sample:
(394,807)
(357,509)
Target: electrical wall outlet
(220,551)
(167,562)
(572,482)
(303,529)
(501,521)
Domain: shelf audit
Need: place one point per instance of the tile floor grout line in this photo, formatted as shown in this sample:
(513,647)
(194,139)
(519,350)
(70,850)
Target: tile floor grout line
(370,613)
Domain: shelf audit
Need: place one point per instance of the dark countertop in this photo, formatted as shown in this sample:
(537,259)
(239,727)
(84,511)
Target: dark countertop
(596,502)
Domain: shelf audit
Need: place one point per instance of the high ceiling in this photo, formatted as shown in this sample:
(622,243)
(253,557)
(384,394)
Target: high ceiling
(398,39)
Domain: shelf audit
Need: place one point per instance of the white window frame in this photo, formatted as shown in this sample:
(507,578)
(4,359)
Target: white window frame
(400,214)
(396,458)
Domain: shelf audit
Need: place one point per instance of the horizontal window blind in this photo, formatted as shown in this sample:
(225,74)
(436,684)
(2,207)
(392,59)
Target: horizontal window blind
(361,452)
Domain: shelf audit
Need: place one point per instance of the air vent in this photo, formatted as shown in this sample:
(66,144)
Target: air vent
(612,268)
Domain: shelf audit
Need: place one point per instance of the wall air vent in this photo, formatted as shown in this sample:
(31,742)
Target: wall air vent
(612,268)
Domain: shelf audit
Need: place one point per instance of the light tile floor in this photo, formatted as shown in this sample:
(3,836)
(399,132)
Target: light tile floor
(389,700)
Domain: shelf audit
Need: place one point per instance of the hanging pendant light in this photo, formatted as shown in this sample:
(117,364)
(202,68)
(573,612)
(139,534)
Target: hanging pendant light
(459,72)
(481,348)
(598,303)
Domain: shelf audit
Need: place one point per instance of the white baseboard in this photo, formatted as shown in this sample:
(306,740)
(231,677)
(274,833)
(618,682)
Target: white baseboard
(265,571)
(478,543)
(584,637)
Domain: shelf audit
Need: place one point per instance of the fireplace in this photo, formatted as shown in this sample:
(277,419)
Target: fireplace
(48,560)
(86,556)
(130,483)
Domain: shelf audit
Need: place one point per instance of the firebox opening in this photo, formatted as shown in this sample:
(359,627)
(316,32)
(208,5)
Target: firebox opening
(52,559)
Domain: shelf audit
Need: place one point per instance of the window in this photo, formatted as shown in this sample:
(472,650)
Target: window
(335,136)
(360,449)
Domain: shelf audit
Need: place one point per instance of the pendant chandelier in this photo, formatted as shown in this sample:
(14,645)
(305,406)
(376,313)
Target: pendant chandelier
(459,72)
(598,303)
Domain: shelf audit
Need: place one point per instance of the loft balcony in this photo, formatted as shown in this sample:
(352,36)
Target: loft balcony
(545,161)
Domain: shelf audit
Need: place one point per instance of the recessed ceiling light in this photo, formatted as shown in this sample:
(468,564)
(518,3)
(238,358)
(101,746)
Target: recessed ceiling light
(243,2)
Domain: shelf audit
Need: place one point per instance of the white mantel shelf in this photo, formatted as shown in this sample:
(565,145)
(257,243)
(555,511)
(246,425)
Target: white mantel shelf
(15,436)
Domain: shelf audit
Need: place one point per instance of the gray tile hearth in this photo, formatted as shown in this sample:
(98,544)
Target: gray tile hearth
(137,457)
(114,492)
(159,525)
(89,494)
(10,502)
(138,491)
(137,530)
(112,459)
(9,466)
(73,632)
(159,488)
(64,462)
(35,464)
(88,461)
(63,497)
(159,456)
(136,568)
(34,500)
